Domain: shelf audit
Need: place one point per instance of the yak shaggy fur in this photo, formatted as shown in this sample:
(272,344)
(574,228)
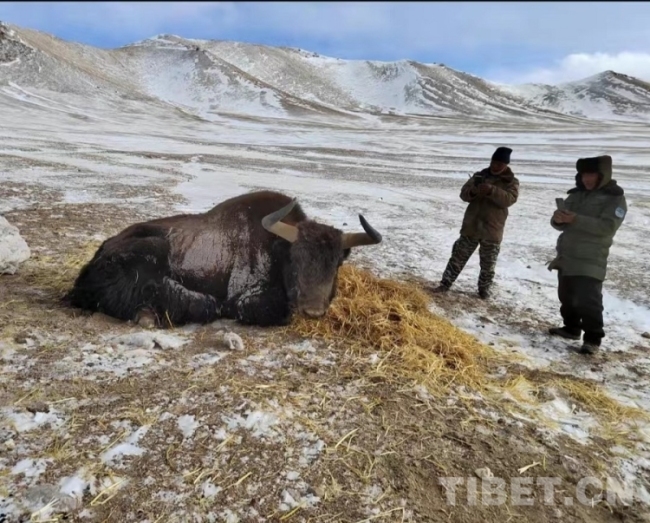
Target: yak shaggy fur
(224,263)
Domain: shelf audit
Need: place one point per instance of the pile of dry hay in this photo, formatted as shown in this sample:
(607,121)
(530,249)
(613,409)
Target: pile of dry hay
(392,319)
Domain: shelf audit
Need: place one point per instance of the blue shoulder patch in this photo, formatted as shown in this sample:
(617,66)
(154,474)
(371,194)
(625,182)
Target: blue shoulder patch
(619,212)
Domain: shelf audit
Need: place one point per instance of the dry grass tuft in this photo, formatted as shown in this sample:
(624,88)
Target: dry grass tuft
(522,390)
(596,400)
(57,274)
(619,424)
(392,319)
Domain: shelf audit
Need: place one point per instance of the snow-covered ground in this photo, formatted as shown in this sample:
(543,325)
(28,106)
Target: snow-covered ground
(403,175)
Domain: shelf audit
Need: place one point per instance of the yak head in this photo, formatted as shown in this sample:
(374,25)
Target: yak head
(316,253)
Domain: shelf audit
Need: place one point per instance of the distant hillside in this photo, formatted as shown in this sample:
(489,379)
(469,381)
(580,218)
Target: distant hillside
(605,96)
(212,77)
(403,87)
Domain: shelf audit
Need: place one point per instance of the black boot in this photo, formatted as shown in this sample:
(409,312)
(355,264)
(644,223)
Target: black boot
(564,332)
(589,348)
(590,343)
(441,289)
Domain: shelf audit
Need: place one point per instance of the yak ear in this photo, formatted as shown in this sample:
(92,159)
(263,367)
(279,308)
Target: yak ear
(271,222)
(357,239)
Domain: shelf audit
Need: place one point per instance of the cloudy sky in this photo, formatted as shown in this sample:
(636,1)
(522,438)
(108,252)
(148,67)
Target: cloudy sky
(546,42)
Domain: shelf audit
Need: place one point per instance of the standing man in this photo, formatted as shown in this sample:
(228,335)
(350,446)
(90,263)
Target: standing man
(489,193)
(593,212)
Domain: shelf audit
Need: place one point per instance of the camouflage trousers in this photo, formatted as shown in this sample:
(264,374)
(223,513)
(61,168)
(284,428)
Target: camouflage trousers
(462,251)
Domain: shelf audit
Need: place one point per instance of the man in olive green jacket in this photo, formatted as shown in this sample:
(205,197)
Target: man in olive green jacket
(489,193)
(593,212)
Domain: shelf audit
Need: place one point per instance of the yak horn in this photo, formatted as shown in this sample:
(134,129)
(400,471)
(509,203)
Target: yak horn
(357,239)
(271,222)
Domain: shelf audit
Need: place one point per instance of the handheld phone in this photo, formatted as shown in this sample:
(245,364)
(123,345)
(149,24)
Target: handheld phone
(561,206)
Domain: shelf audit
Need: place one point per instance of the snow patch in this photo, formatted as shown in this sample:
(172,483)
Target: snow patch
(26,421)
(209,489)
(259,423)
(128,447)
(148,340)
(30,468)
(292,499)
(187,425)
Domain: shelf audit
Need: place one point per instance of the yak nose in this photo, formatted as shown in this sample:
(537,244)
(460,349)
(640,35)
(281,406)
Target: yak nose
(314,313)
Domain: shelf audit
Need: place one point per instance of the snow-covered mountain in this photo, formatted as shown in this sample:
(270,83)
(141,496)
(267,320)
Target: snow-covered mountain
(207,78)
(607,95)
(403,87)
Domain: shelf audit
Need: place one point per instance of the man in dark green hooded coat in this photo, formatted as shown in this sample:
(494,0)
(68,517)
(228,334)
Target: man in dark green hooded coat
(593,213)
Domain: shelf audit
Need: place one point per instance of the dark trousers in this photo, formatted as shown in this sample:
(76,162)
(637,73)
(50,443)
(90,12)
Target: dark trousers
(582,306)
(462,251)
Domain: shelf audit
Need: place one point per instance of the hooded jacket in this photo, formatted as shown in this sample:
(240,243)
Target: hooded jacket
(583,247)
(485,216)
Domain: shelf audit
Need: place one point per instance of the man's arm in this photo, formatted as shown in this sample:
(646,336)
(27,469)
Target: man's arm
(558,226)
(504,198)
(468,191)
(607,223)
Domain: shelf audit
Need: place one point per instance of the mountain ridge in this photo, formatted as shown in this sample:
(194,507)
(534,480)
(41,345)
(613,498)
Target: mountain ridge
(213,77)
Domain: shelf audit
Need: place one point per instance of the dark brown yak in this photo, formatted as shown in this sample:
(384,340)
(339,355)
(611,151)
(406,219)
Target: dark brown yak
(255,258)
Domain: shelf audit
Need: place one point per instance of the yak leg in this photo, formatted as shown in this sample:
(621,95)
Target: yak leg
(133,283)
(173,304)
(264,308)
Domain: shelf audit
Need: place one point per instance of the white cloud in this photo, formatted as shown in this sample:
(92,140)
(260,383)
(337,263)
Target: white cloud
(581,65)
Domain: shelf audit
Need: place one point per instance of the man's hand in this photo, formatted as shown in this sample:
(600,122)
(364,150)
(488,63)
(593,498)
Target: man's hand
(561,217)
(569,216)
(485,189)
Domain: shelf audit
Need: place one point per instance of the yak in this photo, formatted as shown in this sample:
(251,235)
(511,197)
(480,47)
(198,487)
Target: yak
(255,258)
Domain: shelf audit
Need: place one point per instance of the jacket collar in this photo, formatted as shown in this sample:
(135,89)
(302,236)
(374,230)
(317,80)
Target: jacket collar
(506,176)
(610,188)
